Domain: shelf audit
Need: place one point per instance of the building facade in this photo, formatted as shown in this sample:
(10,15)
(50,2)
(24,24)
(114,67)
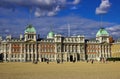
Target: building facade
(99,48)
(30,47)
(115,49)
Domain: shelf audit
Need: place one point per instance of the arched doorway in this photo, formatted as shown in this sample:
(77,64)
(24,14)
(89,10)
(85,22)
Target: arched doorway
(1,57)
(71,58)
(42,59)
(78,57)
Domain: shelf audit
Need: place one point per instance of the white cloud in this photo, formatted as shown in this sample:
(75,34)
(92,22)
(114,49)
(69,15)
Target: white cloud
(52,13)
(114,30)
(76,1)
(104,7)
(40,7)
(38,12)
(115,33)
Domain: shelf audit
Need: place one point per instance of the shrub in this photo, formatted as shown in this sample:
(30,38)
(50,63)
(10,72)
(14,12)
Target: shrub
(113,59)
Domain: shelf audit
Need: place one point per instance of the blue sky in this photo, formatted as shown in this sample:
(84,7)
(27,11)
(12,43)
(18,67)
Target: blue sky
(84,16)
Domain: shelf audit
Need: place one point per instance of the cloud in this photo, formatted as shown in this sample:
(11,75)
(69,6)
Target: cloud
(78,25)
(40,12)
(104,7)
(76,1)
(40,7)
(114,30)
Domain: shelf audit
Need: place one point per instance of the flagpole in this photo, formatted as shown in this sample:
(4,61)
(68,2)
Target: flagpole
(30,15)
(101,21)
(68,30)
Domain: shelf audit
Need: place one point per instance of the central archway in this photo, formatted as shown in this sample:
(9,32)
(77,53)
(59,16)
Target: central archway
(78,57)
(71,58)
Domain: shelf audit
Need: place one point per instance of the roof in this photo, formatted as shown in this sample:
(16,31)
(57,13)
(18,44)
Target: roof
(50,34)
(30,29)
(102,32)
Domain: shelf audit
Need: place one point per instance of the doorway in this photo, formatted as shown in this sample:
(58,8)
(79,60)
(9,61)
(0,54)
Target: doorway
(78,57)
(1,57)
(71,58)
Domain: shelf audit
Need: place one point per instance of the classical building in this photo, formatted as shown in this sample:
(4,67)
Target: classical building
(30,47)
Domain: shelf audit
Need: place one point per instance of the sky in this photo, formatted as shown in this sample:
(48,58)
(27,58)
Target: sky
(85,17)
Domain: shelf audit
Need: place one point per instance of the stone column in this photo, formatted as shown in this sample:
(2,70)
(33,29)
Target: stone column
(78,48)
(17,57)
(14,57)
(69,57)
(74,49)
(64,48)
(67,48)
(109,53)
(39,53)
(20,53)
(102,51)
(73,56)
(32,53)
(20,57)
(65,56)
(5,57)
(55,57)
(28,53)
(39,57)
(9,56)
(25,53)
(71,48)
(35,52)
(76,56)
(4,51)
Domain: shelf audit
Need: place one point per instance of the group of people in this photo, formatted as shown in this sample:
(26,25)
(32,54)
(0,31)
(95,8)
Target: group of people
(101,60)
(61,61)
(92,61)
